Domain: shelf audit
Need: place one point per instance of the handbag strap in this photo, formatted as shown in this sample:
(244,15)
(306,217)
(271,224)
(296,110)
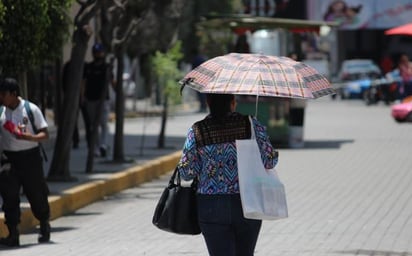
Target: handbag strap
(176,177)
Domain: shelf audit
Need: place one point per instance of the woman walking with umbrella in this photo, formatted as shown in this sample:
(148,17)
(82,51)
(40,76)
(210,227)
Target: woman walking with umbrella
(209,154)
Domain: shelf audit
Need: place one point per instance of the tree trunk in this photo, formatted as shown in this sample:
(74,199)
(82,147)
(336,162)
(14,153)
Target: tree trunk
(118,149)
(161,139)
(59,168)
(58,93)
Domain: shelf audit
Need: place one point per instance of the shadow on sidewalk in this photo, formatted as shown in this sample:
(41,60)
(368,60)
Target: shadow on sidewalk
(325,144)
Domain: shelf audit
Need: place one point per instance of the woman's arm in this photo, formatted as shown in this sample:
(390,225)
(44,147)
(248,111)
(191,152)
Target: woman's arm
(268,153)
(189,165)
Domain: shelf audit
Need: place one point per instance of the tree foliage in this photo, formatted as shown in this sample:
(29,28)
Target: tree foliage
(31,32)
(24,32)
(57,33)
(165,66)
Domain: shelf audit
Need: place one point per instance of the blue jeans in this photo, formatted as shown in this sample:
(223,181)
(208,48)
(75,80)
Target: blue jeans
(224,228)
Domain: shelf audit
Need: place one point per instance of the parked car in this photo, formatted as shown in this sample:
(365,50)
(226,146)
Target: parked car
(402,112)
(356,76)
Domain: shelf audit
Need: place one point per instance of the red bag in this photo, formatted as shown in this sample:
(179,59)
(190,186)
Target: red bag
(11,127)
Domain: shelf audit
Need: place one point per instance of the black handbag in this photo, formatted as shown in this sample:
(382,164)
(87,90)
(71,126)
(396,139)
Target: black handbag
(176,210)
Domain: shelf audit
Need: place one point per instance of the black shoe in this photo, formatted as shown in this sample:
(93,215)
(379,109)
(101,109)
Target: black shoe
(10,241)
(44,235)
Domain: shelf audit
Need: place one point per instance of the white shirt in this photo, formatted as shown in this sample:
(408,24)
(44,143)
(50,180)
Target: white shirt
(9,142)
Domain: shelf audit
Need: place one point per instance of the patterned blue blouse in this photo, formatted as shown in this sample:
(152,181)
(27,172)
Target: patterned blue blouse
(215,165)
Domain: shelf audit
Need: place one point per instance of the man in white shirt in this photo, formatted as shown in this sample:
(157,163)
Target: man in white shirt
(22,127)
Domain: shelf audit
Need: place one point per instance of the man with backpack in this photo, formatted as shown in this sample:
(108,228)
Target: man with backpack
(22,128)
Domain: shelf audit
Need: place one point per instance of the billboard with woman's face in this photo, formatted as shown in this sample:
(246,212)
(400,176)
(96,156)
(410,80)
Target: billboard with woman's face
(360,14)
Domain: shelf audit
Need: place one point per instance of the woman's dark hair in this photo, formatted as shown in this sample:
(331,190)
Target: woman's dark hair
(219,104)
(9,85)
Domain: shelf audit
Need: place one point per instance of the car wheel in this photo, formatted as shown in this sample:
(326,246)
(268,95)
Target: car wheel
(399,120)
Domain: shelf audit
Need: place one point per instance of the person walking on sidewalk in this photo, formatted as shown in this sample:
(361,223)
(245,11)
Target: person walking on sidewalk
(209,154)
(95,83)
(21,147)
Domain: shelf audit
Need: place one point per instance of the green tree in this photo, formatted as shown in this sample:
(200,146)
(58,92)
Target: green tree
(134,24)
(167,72)
(118,22)
(116,29)
(57,33)
(59,167)
(32,32)
(24,33)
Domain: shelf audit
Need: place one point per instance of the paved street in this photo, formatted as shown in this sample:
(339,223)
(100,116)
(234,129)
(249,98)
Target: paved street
(349,193)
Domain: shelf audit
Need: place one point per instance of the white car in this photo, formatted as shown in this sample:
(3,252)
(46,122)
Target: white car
(356,76)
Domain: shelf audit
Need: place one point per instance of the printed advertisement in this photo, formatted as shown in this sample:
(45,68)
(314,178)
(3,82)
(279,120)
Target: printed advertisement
(362,14)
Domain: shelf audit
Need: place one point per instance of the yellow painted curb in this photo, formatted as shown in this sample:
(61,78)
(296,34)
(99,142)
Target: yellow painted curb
(79,196)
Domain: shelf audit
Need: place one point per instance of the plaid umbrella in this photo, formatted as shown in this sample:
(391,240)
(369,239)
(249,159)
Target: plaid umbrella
(257,74)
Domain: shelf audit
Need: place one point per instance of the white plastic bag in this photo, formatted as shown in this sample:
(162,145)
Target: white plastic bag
(262,193)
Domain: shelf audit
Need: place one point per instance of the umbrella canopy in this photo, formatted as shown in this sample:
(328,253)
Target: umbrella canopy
(401,30)
(257,74)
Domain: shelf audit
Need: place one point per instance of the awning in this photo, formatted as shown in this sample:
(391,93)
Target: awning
(248,22)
